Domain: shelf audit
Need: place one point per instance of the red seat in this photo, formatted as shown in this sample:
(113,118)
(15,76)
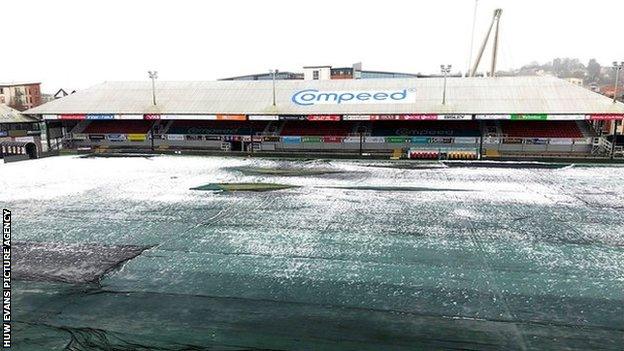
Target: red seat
(118,127)
(538,129)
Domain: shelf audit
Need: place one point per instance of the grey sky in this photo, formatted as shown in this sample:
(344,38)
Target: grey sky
(75,44)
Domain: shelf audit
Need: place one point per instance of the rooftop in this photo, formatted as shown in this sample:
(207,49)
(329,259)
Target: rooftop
(499,95)
(12,84)
(11,115)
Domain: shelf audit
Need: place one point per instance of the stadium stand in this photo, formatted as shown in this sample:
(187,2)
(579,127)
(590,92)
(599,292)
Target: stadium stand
(538,129)
(304,128)
(118,127)
(424,128)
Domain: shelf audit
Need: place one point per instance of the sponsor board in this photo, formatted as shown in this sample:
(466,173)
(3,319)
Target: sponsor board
(419,140)
(492,140)
(292,118)
(213,138)
(96,136)
(410,117)
(50,117)
(263,117)
(72,116)
(231,117)
(323,118)
(374,139)
(116,137)
(561,141)
(529,117)
(352,140)
(3,133)
(607,117)
(151,117)
(310,97)
(490,117)
(185,117)
(25,139)
(356,117)
(583,141)
(137,137)
(455,117)
(174,137)
(397,139)
(441,140)
(332,139)
(534,117)
(273,139)
(536,141)
(99,117)
(311,139)
(512,140)
(566,117)
(129,117)
(291,140)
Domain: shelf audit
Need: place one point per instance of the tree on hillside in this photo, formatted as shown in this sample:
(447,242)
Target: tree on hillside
(593,71)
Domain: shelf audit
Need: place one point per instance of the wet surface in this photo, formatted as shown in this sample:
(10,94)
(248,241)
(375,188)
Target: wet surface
(523,259)
(70,263)
(227,187)
(287,170)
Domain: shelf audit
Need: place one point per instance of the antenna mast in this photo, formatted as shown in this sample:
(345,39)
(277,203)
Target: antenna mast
(495,21)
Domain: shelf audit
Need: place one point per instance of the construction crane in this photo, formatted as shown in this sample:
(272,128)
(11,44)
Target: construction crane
(495,21)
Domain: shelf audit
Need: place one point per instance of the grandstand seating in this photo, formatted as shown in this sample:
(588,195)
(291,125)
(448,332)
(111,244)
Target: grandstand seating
(424,154)
(424,128)
(118,127)
(303,128)
(216,127)
(539,129)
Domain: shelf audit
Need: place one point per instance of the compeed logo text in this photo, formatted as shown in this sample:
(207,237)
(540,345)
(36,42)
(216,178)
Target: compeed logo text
(309,97)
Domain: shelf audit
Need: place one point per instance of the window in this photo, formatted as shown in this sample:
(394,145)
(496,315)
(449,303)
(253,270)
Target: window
(315,74)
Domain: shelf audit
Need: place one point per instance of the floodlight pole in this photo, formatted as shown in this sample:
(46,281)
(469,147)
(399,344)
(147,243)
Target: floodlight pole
(445,69)
(474,21)
(273,73)
(153,76)
(617,67)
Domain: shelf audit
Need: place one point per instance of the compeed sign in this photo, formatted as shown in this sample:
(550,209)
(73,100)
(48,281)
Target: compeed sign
(310,97)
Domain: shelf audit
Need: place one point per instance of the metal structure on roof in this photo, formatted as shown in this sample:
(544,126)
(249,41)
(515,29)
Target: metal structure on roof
(494,95)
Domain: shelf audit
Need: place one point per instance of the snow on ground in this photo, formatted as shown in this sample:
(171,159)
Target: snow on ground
(458,257)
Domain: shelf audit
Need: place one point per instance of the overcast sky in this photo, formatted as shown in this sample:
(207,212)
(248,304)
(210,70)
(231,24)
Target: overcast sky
(76,44)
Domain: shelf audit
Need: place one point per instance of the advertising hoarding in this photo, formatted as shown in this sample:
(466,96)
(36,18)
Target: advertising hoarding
(323,118)
(356,117)
(137,137)
(100,116)
(291,140)
(263,117)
